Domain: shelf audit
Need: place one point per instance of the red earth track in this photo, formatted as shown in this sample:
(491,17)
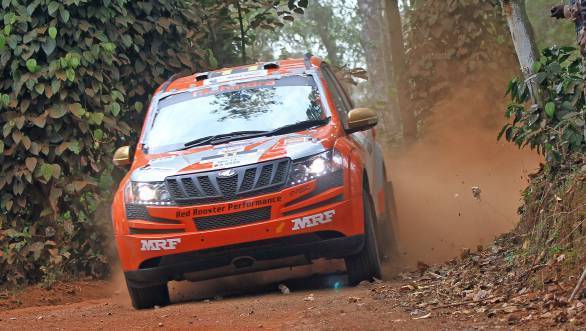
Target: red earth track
(312,304)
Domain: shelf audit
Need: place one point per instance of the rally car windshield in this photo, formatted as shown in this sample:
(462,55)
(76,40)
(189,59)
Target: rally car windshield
(254,107)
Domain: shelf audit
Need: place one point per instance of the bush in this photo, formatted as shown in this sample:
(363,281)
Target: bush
(556,130)
(74,74)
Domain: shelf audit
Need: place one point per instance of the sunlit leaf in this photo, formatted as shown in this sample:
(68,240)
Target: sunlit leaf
(550,109)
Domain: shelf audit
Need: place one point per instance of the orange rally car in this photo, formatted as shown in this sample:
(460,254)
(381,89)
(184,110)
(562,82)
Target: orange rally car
(251,168)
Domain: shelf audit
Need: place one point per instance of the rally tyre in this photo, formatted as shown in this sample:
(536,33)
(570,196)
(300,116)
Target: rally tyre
(366,264)
(148,297)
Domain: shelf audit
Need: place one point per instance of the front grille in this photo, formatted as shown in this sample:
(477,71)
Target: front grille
(208,187)
(235,219)
(227,186)
(140,213)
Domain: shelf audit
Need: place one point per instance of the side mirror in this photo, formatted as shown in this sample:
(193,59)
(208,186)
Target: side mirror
(361,119)
(122,156)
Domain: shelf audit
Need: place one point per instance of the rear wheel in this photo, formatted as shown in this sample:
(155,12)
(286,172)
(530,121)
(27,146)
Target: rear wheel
(148,297)
(366,264)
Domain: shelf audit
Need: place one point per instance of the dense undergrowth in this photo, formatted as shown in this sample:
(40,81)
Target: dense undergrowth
(554,204)
(77,76)
(553,220)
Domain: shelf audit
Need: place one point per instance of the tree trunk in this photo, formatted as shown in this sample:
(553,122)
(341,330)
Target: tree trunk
(397,47)
(373,40)
(524,41)
(242,33)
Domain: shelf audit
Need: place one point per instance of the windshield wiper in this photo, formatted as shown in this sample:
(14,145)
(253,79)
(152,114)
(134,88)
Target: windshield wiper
(239,135)
(222,137)
(303,125)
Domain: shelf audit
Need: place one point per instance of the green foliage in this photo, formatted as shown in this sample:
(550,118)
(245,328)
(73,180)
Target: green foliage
(75,74)
(76,79)
(552,217)
(558,129)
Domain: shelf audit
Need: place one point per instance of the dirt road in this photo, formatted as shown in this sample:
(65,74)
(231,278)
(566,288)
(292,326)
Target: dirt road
(318,302)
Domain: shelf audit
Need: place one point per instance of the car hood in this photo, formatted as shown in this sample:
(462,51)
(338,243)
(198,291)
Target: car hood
(229,155)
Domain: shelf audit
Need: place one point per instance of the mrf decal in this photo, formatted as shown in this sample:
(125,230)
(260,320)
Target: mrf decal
(159,244)
(313,220)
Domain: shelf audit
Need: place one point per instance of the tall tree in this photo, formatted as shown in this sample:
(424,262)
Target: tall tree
(329,28)
(397,48)
(524,41)
(266,14)
(324,30)
(374,43)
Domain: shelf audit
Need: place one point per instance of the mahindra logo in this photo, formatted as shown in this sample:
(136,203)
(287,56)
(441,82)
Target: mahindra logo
(226,173)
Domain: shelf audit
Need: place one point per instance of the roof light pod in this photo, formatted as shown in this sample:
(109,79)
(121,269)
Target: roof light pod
(201,76)
(270,65)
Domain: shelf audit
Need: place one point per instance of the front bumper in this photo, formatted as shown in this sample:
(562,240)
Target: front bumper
(262,255)
(331,216)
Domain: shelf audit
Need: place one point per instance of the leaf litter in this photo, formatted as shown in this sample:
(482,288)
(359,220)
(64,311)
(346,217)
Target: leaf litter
(489,284)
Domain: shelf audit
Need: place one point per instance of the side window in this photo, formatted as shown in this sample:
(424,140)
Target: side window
(345,96)
(340,99)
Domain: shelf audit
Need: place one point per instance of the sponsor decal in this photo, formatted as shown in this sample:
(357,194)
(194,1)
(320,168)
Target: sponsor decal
(313,220)
(294,140)
(212,90)
(228,75)
(159,244)
(231,157)
(242,205)
(300,190)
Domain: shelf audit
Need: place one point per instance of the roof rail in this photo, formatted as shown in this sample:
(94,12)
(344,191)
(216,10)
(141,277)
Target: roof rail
(271,65)
(168,82)
(307,60)
(201,76)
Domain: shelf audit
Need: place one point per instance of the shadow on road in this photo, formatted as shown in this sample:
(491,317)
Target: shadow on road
(322,275)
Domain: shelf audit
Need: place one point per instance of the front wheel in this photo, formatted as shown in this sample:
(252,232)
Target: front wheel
(366,264)
(148,297)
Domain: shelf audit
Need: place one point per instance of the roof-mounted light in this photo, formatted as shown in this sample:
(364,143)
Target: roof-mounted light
(201,76)
(270,65)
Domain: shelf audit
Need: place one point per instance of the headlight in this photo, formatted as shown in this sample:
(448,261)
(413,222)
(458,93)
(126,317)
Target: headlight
(147,193)
(315,166)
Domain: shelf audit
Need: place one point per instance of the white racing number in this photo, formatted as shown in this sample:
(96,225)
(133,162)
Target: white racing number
(159,244)
(313,220)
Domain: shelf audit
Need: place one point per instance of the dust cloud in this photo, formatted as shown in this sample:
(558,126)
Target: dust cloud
(433,177)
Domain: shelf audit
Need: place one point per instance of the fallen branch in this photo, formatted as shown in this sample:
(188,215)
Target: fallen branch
(579,285)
